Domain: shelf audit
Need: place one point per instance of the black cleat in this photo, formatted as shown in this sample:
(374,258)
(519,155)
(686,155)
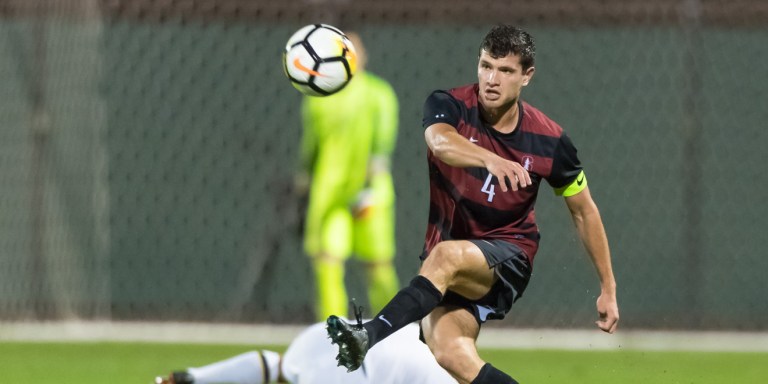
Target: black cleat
(352,340)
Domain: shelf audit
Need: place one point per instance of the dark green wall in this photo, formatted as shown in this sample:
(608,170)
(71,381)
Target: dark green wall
(199,127)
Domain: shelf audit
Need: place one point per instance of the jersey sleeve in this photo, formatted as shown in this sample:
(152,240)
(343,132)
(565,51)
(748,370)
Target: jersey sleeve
(441,107)
(567,177)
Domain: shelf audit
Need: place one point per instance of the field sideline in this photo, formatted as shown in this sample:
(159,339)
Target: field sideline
(499,338)
(132,353)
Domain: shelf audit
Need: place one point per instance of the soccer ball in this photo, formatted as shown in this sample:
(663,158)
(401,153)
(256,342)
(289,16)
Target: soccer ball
(319,60)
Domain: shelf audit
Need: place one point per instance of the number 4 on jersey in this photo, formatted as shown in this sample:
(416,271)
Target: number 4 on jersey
(489,188)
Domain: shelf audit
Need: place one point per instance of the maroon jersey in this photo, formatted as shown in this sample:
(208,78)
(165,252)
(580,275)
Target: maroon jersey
(467,203)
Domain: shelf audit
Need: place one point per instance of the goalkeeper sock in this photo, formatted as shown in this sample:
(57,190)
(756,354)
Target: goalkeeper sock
(490,375)
(248,368)
(412,303)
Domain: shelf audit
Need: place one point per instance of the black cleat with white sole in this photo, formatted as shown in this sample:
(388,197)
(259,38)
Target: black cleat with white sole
(352,340)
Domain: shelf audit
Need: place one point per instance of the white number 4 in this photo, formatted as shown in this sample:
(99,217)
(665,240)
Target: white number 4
(489,188)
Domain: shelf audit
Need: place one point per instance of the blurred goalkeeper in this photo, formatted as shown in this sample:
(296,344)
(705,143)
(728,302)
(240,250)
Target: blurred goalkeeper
(346,147)
(402,359)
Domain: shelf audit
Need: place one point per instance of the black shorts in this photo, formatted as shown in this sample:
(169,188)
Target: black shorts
(512,267)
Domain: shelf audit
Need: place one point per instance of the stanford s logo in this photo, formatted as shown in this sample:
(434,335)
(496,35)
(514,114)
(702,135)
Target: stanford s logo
(528,163)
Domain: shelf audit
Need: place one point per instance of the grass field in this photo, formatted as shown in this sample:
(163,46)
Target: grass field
(137,363)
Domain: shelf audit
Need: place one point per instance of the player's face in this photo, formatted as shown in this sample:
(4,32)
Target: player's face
(501,80)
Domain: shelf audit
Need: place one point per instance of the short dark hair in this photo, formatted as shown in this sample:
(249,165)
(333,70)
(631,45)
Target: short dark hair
(503,40)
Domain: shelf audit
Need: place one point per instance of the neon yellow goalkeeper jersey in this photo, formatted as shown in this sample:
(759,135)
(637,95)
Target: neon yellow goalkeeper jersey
(341,134)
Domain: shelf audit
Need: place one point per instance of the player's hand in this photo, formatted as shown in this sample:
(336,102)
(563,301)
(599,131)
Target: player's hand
(608,312)
(511,172)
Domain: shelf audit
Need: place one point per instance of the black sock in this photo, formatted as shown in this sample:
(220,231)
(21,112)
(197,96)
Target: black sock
(412,303)
(490,375)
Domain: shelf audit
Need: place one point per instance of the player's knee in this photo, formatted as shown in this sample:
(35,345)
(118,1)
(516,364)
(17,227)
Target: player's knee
(444,358)
(446,256)
(452,358)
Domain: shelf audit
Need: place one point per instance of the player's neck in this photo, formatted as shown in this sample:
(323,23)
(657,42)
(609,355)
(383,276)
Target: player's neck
(503,119)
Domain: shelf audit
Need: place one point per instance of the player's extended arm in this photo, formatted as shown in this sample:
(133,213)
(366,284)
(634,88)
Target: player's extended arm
(455,150)
(592,233)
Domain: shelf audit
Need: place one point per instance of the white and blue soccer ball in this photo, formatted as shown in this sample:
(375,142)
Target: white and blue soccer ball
(319,60)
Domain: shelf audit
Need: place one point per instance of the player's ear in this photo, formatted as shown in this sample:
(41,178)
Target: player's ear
(528,75)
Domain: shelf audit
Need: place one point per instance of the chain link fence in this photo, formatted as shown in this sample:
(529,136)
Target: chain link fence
(148,149)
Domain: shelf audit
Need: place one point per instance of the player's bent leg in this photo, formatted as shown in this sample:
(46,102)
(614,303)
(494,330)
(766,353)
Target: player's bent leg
(459,266)
(450,333)
(410,304)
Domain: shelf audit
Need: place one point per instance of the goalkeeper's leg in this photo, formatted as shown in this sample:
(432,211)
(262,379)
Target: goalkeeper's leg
(328,259)
(375,248)
(331,291)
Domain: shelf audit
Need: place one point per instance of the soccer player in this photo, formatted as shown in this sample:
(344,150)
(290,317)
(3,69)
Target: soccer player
(489,152)
(346,147)
(401,359)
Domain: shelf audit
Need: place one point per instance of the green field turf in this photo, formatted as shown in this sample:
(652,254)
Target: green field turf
(137,363)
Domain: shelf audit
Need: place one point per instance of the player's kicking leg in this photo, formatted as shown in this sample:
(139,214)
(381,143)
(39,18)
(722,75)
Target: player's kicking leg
(458,265)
